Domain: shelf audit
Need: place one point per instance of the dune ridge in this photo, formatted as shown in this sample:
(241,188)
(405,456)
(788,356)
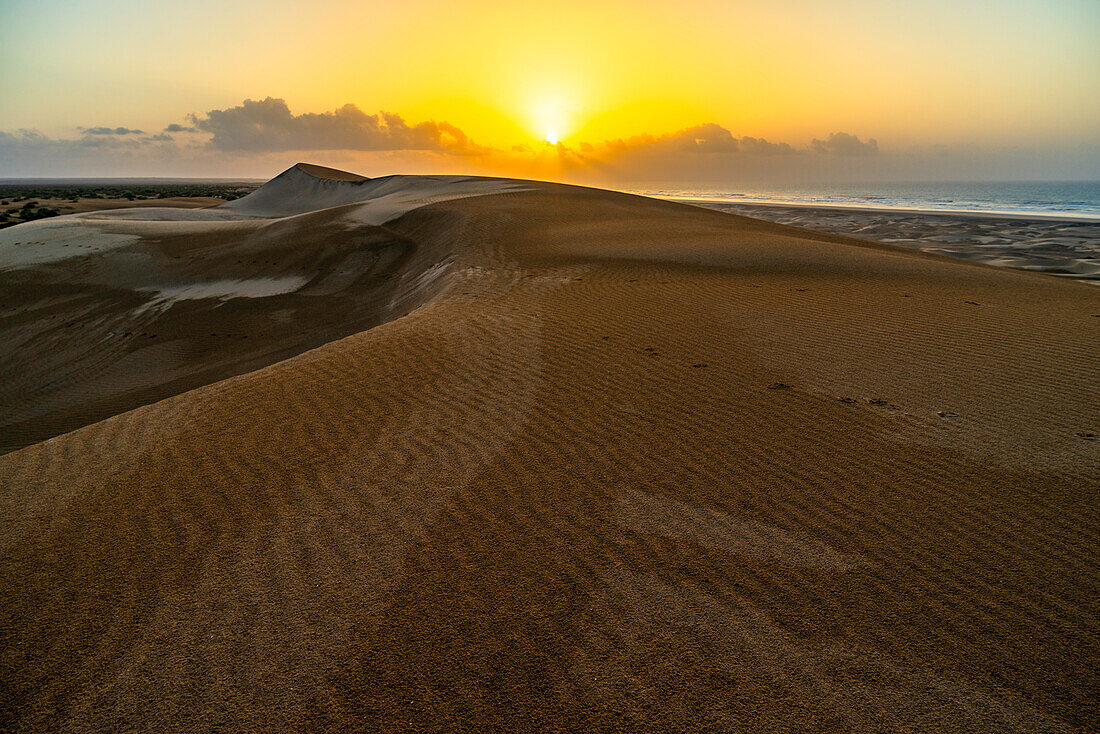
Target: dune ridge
(106,311)
(630,465)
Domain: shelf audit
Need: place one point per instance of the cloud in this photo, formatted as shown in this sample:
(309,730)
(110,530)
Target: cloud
(268,125)
(110,131)
(709,138)
(258,138)
(760,146)
(845,144)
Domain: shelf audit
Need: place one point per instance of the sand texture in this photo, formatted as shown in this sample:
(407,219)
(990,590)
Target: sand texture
(583,461)
(105,311)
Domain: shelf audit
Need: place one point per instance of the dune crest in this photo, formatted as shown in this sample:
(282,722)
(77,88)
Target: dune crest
(304,188)
(331,174)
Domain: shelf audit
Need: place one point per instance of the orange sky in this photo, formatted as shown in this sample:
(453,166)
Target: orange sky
(966,75)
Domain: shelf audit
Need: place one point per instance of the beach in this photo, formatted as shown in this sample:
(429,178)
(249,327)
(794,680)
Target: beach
(454,453)
(1058,244)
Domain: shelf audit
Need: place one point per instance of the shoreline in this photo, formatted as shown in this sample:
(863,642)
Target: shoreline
(857,208)
(1064,246)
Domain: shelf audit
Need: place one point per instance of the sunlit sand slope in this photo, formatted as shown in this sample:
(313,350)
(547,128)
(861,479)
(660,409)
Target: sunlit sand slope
(603,478)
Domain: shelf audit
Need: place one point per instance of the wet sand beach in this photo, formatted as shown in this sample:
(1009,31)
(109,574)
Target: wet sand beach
(1067,246)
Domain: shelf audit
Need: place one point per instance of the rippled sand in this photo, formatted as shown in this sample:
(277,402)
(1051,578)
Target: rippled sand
(579,461)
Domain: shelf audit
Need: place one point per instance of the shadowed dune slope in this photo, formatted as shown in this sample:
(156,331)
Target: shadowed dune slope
(106,311)
(603,478)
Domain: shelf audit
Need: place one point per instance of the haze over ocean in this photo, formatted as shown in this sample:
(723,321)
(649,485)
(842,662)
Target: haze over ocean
(1046,198)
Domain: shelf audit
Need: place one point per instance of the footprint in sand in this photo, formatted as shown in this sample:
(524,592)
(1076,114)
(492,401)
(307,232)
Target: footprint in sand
(848,400)
(699,364)
(779,386)
(947,414)
(1087,435)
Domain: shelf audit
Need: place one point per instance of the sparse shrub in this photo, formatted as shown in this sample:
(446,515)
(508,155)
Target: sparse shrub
(42,212)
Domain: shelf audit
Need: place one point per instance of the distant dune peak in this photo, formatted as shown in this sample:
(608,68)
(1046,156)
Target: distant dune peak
(322,172)
(305,187)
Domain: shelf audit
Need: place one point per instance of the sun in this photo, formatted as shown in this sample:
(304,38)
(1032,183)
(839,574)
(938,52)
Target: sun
(550,118)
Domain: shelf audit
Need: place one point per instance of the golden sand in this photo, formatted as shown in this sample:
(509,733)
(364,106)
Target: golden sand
(631,465)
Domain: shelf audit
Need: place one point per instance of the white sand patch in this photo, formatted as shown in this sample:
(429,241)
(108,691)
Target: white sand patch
(165,296)
(646,513)
(59,238)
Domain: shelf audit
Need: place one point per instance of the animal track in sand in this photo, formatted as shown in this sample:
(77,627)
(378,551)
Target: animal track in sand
(878,402)
(947,414)
(1087,435)
(779,386)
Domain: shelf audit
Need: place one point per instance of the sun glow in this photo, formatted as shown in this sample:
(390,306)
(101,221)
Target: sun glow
(550,120)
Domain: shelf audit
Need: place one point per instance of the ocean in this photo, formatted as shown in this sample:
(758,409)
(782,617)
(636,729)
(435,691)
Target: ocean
(1078,199)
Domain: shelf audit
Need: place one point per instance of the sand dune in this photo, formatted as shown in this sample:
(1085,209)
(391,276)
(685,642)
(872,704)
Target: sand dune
(580,461)
(109,310)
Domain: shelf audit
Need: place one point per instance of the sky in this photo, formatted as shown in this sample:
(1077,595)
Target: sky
(594,91)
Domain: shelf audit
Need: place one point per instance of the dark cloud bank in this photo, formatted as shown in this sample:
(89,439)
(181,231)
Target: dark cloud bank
(268,125)
(709,138)
(109,131)
(845,144)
